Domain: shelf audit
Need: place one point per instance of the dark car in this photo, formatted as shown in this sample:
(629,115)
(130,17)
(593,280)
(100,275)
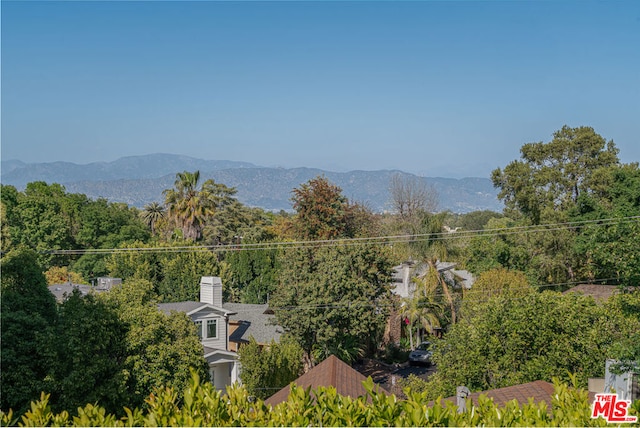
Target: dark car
(421,355)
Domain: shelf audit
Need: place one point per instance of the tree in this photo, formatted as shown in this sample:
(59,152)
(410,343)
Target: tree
(476,220)
(506,340)
(252,274)
(90,350)
(190,206)
(235,223)
(423,310)
(59,275)
(499,282)
(175,274)
(411,196)
(28,314)
(152,214)
(551,176)
(106,224)
(321,210)
(608,249)
(181,273)
(432,249)
(161,349)
(5,235)
(332,295)
(266,369)
(44,218)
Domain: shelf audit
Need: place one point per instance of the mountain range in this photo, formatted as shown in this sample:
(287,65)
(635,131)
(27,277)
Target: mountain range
(139,180)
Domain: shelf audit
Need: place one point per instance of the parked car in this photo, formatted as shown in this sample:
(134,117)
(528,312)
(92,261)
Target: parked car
(421,355)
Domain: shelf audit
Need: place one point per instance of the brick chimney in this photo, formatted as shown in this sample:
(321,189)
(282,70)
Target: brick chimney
(211,290)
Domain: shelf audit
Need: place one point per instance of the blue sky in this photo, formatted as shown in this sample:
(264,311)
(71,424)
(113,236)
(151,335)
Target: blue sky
(435,88)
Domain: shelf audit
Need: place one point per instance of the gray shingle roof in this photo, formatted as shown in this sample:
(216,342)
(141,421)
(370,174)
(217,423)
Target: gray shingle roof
(185,307)
(62,291)
(253,322)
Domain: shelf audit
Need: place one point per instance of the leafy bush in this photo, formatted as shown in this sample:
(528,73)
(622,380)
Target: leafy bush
(203,405)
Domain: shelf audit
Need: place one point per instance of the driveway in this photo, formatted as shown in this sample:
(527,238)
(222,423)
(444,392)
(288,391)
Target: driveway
(388,376)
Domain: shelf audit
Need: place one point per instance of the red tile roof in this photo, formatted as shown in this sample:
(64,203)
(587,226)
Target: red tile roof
(330,372)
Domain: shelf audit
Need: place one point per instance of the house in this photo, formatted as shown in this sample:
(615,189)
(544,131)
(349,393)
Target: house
(62,291)
(212,323)
(402,276)
(224,327)
(331,372)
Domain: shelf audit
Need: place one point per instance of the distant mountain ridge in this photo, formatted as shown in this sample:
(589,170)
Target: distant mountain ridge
(139,180)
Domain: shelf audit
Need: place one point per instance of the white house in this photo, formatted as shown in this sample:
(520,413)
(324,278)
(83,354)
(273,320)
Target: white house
(212,321)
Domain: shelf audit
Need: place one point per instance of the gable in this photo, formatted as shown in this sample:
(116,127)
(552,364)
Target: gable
(194,310)
(330,372)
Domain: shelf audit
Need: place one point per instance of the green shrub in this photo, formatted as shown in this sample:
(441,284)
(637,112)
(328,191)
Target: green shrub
(203,405)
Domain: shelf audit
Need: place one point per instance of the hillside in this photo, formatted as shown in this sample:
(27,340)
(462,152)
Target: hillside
(139,180)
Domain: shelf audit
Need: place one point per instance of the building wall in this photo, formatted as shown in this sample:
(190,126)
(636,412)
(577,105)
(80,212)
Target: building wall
(221,341)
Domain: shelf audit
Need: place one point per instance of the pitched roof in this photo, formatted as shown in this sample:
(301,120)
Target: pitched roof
(62,291)
(254,321)
(538,390)
(330,372)
(189,307)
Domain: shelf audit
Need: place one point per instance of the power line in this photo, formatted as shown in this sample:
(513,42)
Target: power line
(466,294)
(382,240)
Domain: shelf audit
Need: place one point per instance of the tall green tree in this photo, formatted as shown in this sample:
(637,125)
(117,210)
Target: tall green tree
(28,316)
(45,218)
(181,273)
(175,274)
(608,249)
(253,275)
(334,295)
(235,223)
(161,349)
(551,176)
(89,351)
(423,310)
(432,247)
(190,204)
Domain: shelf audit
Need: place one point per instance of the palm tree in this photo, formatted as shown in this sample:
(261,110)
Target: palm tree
(190,206)
(423,310)
(433,249)
(151,214)
(187,207)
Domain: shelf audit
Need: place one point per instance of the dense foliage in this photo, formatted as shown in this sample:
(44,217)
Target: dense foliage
(266,369)
(28,312)
(571,214)
(112,348)
(506,339)
(202,405)
(334,299)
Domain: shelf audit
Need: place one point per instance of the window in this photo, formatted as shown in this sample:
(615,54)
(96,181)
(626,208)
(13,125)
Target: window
(212,329)
(199,329)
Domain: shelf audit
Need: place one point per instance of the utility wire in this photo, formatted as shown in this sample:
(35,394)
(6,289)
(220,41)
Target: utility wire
(386,240)
(467,293)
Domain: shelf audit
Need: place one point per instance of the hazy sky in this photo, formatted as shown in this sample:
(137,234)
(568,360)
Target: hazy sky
(434,88)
